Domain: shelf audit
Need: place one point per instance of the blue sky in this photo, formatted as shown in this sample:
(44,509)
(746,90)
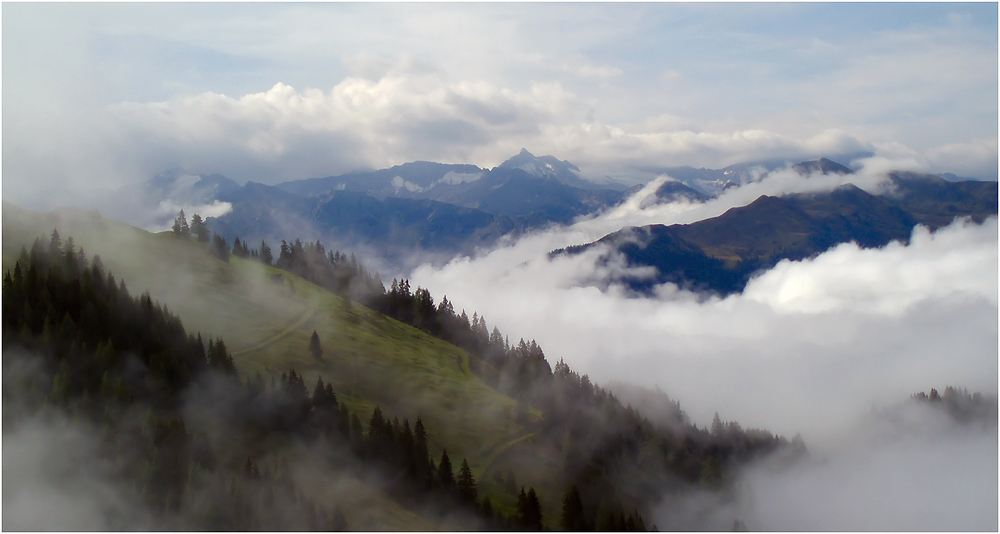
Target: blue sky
(102,94)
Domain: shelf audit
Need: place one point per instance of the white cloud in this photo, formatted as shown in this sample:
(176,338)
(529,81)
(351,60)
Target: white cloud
(810,347)
(562,83)
(168,209)
(403,116)
(932,476)
(878,323)
(885,281)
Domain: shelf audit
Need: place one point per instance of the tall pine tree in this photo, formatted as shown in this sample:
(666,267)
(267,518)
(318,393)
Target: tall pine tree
(466,484)
(315,348)
(446,476)
(573,518)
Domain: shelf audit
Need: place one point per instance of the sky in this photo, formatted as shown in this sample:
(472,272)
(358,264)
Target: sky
(99,95)
(96,96)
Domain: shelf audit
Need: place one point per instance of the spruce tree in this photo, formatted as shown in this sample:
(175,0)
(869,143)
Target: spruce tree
(376,430)
(406,448)
(573,518)
(219,248)
(421,456)
(319,393)
(315,348)
(199,229)
(265,253)
(181,228)
(466,484)
(522,508)
(55,244)
(532,518)
(446,476)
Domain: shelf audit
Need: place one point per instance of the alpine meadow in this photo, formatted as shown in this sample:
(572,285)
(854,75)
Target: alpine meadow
(504,266)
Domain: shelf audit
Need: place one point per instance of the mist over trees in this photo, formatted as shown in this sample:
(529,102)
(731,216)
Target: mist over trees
(126,366)
(204,448)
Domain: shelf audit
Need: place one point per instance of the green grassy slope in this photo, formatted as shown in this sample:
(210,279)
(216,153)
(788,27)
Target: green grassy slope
(370,359)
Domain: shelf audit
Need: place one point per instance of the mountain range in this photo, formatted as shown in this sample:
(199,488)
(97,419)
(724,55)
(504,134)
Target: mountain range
(424,211)
(722,253)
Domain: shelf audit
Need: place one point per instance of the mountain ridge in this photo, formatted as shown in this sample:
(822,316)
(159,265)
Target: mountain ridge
(720,254)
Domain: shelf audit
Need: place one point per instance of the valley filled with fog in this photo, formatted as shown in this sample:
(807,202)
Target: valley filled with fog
(769,232)
(814,347)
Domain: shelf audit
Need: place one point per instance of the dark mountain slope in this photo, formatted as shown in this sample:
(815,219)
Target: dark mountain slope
(416,207)
(392,228)
(406,224)
(721,254)
(515,192)
(822,165)
(796,226)
(670,191)
(936,202)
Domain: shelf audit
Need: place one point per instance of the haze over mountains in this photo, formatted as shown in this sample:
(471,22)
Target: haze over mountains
(424,211)
(520,266)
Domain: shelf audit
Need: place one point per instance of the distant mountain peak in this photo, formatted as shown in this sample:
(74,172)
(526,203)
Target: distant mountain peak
(548,167)
(822,165)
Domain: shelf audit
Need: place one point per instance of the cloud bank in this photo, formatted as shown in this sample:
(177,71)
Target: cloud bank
(905,310)
(809,347)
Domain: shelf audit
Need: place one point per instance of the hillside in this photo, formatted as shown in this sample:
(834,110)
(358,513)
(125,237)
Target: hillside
(370,359)
(519,423)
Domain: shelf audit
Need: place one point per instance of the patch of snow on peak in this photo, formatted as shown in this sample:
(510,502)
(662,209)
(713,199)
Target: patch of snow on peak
(455,178)
(399,183)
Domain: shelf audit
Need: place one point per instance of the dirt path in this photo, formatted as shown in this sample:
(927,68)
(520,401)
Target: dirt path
(502,448)
(296,323)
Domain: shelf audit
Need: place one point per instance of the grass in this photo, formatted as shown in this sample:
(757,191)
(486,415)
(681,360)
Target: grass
(369,359)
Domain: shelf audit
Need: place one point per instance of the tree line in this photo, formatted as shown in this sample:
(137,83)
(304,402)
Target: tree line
(602,438)
(86,334)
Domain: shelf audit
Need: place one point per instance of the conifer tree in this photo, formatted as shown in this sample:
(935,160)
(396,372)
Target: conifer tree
(446,476)
(717,426)
(406,447)
(265,253)
(315,348)
(421,456)
(522,507)
(319,393)
(198,228)
(219,248)
(466,484)
(181,228)
(357,433)
(532,517)
(375,429)
(573,518)
(55,244)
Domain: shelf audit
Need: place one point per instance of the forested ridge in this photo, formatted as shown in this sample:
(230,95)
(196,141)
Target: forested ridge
(128,367)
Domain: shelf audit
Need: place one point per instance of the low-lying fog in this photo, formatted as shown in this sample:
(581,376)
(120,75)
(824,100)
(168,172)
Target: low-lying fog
(810,347)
